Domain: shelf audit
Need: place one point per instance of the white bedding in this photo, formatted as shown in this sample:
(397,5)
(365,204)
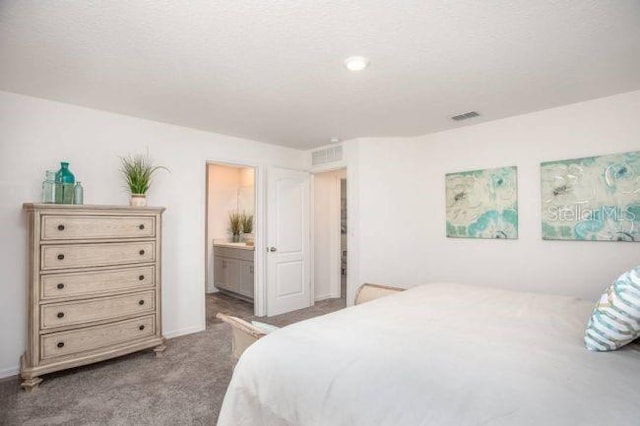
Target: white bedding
(439,354)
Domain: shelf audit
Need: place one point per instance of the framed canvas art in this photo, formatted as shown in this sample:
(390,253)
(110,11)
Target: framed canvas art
(592,199)
(482,203)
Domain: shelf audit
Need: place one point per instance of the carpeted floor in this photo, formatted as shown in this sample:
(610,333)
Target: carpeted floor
(185,387)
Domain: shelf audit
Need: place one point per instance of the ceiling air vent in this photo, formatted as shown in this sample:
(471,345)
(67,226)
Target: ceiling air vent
(465,116)
(327,155)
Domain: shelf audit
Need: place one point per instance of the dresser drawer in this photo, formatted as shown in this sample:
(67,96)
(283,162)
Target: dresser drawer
(86,339)
(89,255)
(84,311)
(58,286)
(96,227)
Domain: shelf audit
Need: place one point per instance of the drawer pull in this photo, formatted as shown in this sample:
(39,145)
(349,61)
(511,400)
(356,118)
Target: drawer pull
(60,345)
(60,314)
(60,286)
(60,227)
(141,227)
(61,257)
(141,302)
(141,327)
(141,252)
(141,277)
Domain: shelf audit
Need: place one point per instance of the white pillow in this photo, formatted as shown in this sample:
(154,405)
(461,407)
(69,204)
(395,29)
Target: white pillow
(616,318)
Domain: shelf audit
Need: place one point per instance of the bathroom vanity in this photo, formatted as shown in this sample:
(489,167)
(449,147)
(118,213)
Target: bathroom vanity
(233,269)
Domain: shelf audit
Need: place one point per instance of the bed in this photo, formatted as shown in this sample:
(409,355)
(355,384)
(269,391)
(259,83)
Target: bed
(438,354)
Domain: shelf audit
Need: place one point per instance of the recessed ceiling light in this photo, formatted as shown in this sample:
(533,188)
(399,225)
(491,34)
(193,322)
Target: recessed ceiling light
(356,63)
(335,139)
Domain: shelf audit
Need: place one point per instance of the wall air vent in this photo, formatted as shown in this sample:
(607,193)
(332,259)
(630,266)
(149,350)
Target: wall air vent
(465,116)
(326,155)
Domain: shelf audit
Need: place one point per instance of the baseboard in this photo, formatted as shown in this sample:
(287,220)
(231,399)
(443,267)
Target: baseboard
(325,297)
(9,372)
(184,331)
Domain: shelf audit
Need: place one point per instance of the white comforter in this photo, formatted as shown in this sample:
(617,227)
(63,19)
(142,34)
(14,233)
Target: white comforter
(439,354)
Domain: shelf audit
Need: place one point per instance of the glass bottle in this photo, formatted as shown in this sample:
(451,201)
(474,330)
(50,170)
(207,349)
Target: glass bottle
(78,193)
(64,184)
(49,187)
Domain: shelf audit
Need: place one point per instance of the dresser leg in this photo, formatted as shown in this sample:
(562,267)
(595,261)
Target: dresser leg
(31,384)
(160,349)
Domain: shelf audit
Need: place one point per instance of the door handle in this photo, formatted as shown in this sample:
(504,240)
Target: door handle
(272,249)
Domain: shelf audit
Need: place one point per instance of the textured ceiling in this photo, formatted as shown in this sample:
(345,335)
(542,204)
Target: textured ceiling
(272,70)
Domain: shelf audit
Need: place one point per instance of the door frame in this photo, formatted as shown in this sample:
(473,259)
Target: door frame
(324,169)
(259,287)
(335,262)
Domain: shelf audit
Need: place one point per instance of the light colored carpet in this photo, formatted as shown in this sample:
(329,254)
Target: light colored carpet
(185,387)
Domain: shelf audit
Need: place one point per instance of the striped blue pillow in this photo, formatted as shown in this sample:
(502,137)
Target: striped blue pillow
(616,318)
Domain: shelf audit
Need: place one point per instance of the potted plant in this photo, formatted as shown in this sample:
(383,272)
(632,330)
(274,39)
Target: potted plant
(247,227)
(138,171)
(235,226)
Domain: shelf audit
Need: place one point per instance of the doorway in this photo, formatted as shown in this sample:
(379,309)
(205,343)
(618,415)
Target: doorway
(230,239)
(343,237)
(330,235)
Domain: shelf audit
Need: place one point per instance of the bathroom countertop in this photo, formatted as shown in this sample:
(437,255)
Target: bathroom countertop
(242,246)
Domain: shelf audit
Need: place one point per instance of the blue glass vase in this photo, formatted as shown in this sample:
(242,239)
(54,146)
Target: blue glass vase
(64,184)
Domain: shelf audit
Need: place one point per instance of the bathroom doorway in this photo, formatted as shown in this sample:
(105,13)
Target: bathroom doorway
(230,240)
(330,235)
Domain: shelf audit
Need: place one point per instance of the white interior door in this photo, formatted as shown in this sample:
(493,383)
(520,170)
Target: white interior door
(288,260)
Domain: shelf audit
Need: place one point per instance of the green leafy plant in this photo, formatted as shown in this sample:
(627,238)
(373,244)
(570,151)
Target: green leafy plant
(235,223)
(138,171)
(247,223)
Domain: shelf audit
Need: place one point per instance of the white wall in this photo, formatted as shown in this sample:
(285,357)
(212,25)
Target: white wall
(246,191)
(36,134)
(224,189)
(247,177)
(395,187)
(400,191)
(326,234)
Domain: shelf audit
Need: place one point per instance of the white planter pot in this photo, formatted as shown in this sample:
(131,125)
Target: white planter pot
(138,200)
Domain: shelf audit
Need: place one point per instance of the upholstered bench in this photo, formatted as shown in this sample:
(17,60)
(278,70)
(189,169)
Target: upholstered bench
(244,333)
(369,292)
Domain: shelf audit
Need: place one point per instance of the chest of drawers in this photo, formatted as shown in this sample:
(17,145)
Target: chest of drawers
(93,286)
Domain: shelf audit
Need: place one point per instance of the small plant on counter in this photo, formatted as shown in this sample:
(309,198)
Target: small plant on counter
(247,223)
(235,225)
(138,171)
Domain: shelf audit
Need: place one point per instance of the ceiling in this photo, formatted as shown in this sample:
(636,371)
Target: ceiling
(273,70)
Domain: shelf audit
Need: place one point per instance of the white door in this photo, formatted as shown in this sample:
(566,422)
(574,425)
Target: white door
(288,260)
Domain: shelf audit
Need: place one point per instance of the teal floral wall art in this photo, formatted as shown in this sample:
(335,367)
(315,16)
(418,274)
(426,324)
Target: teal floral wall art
(483,204)
(592,199)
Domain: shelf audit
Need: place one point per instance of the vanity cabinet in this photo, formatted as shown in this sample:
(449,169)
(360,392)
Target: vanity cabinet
(233,269)
(93,286)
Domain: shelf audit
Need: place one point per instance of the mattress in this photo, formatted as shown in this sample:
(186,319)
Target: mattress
(438,354)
